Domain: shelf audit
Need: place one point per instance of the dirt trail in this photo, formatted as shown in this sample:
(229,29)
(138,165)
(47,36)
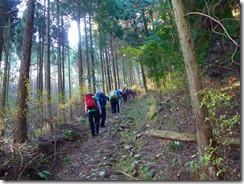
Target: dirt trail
(90,158)
(124,151)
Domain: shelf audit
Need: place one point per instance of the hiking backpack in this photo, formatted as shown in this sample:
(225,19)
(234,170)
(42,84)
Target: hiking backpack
(101,98)
(112,95)
(90,101)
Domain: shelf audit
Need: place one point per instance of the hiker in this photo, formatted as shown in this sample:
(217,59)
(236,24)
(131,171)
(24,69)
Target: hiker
(119,101)
(93,110)
(113,99)
(102,98)
(124,95)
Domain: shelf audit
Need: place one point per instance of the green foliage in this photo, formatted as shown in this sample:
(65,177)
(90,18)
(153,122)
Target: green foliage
(44,174)
(152,111)
(176,81)
(175,146)
(142,107)
(69,133)
(216,101)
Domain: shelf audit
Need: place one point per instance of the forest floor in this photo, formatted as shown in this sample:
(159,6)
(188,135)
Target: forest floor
(122,151)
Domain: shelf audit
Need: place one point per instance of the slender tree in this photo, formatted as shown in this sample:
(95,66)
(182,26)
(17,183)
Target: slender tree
(59,53)
(48,69)
(80,62)
(2,17)
(6,70)
(114,78)
(92,56)
(87,55)
(20,134)
(203,128)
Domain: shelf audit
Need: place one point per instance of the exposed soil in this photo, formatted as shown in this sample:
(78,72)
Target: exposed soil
(122,151)
(99,157)
(145,158)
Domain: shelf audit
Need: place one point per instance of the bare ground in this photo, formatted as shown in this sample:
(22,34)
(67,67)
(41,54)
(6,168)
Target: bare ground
(122,151)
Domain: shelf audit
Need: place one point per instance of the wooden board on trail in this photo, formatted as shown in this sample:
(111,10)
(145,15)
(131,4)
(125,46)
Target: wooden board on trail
(186,137)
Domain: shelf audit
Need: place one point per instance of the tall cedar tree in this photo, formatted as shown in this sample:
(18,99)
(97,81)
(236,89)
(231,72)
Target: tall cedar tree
(203,128)
(20,134)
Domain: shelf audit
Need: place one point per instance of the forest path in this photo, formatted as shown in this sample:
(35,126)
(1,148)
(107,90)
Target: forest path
(122,151)
(91,158)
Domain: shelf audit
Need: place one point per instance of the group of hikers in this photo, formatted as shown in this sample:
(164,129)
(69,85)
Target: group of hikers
(95,106)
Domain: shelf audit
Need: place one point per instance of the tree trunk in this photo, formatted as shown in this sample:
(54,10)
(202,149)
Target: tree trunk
(117,66)
(87,57)
(40,78)
(20,134)
(144,79)
(145,22)
(124,70)
(70,92)
(107,70)
(80,62)
(113,64)
(5,74)
(92,57)
(59,56)
(203,128)
(48,69)
(2,17)
(102,78)
(186,137)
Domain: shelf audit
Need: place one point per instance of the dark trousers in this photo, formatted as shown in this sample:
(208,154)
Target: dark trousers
(94,122)
(118,105)
(103,116)
(113,103)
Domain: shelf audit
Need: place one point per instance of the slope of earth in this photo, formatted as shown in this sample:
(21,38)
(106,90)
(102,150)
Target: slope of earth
(124,151)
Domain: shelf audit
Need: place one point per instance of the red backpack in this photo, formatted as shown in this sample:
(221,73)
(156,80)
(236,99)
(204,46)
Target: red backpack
(90,101)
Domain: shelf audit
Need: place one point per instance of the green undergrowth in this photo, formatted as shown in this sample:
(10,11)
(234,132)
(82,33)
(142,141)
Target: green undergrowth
(144,109)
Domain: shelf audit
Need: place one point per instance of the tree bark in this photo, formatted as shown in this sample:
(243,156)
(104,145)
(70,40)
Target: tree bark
(114,78)
(80,62)
(59,55)
(20,134)
(87,57)
(107,70)
(186,137)
(144,79)
(6,70)
(203,128)
(92,57)
(2,17)
(48,68)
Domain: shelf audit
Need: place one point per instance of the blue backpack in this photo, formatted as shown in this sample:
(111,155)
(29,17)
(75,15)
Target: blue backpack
(101,97)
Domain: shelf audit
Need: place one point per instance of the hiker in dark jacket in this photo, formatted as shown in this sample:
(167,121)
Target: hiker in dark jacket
(102,100)
(94,116)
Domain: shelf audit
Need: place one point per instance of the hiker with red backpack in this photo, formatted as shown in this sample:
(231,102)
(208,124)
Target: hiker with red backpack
(93,110)
(102,98)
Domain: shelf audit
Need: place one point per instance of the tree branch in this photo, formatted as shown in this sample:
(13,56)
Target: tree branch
(198,13)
